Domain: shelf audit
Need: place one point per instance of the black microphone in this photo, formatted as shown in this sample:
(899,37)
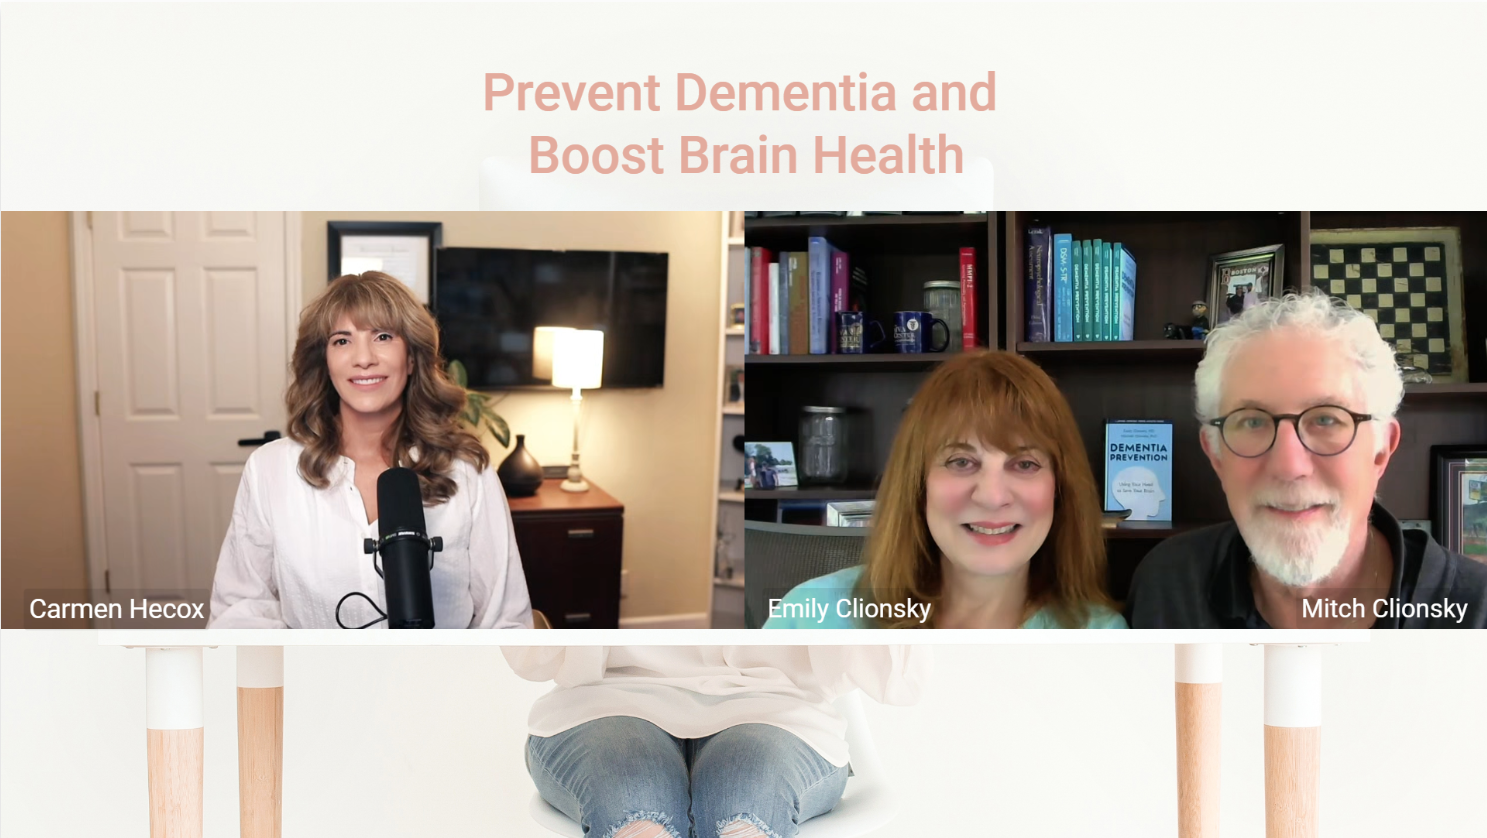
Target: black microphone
(406,550)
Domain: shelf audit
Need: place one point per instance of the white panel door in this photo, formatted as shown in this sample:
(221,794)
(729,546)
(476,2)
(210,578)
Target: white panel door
(190,319)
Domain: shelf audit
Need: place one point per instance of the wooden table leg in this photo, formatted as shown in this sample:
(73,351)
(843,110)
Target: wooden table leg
(260,740)
(1293,740)
(1200,688)
(173,733)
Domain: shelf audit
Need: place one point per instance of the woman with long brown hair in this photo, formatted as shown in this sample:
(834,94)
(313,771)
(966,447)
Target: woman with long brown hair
(369,393)
(987,515)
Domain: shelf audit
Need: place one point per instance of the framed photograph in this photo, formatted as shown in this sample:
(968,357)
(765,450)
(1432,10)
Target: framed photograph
(736,315)
(404,249)
(1243,279)
(1408,279)
(769,465)
(733,394)
(1458,498)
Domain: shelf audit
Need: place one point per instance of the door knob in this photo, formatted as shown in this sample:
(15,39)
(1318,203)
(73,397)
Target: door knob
(268,436)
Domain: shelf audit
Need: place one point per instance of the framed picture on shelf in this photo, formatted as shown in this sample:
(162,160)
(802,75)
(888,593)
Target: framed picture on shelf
(403,249)
(733,394)
(769,465)
(1408,279)
(736,315)
(1242,279)
(1458,498)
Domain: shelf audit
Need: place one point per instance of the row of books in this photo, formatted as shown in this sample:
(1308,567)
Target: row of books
(1078,290)
(791,298)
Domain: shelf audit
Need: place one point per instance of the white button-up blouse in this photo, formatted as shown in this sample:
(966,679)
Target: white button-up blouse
(293,551)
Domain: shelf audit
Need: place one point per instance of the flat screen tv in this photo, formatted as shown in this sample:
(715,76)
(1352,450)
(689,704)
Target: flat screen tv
(488,301)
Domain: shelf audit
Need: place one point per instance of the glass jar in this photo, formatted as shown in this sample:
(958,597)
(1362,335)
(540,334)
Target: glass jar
(942,300)
(823,444)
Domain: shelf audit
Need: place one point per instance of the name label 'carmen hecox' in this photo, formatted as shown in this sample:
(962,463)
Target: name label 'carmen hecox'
(853,608)
(142,609)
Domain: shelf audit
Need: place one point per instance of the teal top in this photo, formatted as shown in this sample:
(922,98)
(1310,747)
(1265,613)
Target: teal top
(819,604)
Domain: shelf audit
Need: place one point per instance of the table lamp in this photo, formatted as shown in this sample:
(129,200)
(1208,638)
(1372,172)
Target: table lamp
(577,362)
(542,339)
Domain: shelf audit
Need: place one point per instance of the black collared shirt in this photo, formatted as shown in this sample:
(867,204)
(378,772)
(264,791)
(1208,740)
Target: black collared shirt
(1201,579)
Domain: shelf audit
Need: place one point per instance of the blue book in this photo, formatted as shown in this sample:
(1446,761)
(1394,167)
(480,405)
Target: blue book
(1063,287)
(1127,264)
(1138,468)
(818,264)
(1037,301)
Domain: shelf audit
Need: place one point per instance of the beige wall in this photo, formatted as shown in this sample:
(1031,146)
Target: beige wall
(41,492)
(652,449)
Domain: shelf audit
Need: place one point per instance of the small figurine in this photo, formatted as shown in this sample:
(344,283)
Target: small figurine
(1172,331)
(1200,320)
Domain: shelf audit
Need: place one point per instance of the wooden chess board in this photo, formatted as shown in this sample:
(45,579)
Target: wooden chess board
(1403,286)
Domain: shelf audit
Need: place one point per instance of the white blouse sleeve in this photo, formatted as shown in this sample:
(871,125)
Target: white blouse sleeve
(888,674)
(497,584)
(244,591)
(567,665)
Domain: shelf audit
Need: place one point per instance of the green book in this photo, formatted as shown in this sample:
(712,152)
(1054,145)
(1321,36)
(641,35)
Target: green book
(1078,290)
(1087,256)
(1107,316)
(1116,252)
(1097,316)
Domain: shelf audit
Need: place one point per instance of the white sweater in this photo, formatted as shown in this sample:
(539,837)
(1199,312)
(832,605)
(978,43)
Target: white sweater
(292,551)
(696,691)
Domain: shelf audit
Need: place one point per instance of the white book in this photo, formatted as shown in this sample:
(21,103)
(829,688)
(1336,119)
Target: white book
(774,308)
(849,513)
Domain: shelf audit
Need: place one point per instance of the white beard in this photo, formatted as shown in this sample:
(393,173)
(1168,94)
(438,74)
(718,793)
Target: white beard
(1297,555)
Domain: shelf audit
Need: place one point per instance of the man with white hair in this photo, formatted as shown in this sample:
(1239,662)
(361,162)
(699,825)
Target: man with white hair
(1297,398)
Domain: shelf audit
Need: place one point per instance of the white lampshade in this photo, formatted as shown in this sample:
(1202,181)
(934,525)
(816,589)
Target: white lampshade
(542,341)
(578,358)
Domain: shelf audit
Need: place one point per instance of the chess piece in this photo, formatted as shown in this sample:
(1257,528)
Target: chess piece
(1199,327)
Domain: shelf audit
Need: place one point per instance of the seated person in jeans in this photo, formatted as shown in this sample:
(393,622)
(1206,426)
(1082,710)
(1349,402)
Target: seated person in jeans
(987,515)
(712,742)
(1297,398)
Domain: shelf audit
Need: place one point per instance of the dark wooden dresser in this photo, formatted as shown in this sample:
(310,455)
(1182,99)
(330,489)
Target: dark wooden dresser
(570,546)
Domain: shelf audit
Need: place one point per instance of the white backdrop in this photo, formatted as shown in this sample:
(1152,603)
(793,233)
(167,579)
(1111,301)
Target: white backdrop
(1111,106)
(1048,741)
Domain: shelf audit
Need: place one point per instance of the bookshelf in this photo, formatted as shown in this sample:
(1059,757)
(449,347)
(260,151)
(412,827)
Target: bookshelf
(1148,377)
(899,253)
(725,599)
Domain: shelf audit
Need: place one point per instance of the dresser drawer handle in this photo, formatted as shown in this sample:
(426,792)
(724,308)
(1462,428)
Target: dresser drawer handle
(582,617)
(583,533)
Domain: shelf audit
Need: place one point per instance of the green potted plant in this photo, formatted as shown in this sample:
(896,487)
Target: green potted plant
(478,412)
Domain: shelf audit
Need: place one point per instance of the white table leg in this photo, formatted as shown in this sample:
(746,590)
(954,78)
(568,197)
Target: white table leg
(173,731)
(1293,740)
(260,740)
(1200,688)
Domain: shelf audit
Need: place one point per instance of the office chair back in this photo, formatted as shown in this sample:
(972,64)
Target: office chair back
(781,556)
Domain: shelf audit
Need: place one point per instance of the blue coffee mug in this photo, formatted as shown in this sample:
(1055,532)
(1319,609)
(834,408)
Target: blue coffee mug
(911,332)
(851,327)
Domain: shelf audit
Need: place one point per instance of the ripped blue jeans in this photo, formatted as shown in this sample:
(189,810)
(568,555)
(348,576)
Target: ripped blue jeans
(611,772)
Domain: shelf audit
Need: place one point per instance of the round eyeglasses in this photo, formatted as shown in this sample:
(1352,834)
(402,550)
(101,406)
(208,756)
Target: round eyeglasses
(1325,430)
